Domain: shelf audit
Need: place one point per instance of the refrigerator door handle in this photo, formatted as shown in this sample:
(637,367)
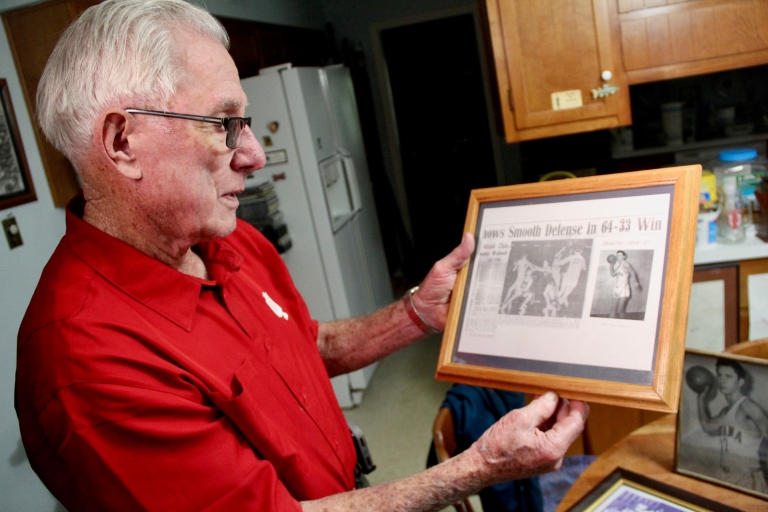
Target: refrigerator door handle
(350,175)
(342,196)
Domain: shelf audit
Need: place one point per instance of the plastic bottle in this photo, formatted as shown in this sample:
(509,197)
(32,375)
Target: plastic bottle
(747,168)
(730,224)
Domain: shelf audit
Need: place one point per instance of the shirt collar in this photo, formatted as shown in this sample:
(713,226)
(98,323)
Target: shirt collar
(142,277)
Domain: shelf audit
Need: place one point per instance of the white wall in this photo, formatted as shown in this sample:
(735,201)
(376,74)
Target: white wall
(42,225)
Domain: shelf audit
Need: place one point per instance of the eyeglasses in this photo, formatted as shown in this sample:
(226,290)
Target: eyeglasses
(233,125)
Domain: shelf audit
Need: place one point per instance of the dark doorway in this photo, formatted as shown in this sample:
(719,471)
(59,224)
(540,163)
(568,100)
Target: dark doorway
(445,141)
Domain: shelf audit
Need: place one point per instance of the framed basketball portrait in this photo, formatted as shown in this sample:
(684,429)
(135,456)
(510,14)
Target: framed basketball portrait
(722,424)
(578,286)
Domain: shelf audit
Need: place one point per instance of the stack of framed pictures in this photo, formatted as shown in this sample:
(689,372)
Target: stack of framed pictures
(721,438)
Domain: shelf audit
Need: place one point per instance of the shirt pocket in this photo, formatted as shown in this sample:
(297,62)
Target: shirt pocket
(267,414)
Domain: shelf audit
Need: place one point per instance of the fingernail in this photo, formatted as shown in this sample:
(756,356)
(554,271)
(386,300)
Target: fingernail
(549,395)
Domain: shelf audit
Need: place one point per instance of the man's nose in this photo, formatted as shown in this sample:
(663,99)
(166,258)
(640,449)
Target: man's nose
(249,155)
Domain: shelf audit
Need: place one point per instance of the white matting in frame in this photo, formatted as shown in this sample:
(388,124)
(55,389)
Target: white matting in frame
(541,291)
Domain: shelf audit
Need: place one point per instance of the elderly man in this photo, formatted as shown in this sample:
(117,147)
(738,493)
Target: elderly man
(166,361)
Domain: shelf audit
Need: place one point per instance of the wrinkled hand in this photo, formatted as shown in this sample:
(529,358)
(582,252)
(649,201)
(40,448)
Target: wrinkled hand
(434,293)
(531,440)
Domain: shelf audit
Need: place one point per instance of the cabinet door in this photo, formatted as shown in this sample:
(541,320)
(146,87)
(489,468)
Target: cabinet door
(664,39)
(32,34)
(544,47)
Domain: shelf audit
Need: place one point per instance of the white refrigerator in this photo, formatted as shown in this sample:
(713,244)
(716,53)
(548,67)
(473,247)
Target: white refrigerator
(306,118)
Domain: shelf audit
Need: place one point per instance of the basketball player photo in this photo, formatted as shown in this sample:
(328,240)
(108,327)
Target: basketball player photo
(722,433)
(621,284)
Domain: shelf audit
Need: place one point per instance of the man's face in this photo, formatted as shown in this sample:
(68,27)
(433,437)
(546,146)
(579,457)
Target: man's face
(190,177)
(621,256)
(727,380)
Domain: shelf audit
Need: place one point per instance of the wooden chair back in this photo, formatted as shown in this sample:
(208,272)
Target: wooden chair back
(444,438)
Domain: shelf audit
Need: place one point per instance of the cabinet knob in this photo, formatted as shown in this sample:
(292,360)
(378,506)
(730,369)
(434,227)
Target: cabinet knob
(606,75)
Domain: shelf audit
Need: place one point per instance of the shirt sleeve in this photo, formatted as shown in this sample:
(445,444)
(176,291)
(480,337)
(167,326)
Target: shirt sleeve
(129,448)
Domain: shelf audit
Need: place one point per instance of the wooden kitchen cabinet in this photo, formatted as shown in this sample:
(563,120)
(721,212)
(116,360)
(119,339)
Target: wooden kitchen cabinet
(32,34)
(542,47)
(663,39)
(545,47)
(255,45)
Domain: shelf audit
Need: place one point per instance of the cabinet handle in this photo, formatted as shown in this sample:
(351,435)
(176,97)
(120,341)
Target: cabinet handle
(606,75)
(604,91)
(511,102)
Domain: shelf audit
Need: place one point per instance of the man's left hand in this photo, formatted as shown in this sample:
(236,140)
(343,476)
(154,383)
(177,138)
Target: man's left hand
(434,294)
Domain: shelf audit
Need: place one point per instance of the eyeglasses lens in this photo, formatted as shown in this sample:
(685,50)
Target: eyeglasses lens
(234,129)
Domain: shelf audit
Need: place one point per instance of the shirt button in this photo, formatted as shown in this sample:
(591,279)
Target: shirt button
(304,397)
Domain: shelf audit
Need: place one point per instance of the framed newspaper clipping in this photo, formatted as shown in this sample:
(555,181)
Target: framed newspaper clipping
(579,286)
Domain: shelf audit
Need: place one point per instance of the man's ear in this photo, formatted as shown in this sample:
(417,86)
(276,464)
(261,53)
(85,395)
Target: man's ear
(116,130)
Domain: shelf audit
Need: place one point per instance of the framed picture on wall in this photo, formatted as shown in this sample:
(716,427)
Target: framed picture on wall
(15,181)
(722,419)
(579,286)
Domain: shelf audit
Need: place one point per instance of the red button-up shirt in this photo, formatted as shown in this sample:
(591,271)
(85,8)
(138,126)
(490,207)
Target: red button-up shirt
(141,388)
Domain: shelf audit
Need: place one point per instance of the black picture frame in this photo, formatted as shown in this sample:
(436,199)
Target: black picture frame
(16,185)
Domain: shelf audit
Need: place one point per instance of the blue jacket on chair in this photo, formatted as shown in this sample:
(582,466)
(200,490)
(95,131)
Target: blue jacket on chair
(474,410)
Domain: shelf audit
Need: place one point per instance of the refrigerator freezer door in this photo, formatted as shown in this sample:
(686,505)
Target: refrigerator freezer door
(340,92)
(340,97)
(315,108)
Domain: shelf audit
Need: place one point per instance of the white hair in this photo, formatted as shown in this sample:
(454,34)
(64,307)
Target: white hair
(120,53)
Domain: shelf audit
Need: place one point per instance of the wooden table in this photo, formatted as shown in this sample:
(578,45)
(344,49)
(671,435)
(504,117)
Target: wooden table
(650,451)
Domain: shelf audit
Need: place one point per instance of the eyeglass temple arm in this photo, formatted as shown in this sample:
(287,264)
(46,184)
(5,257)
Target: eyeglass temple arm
(191,117)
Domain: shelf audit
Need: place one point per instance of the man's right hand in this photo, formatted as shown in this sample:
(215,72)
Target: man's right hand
(531,440)
(525,442)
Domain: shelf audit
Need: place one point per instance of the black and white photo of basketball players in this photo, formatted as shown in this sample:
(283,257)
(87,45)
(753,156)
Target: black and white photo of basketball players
(724,430)
(621,284)
(546,278)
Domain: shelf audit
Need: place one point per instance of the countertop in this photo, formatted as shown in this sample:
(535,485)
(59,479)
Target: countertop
(752,248)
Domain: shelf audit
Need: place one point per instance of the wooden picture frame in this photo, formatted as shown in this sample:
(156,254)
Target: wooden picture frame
(504,331)
(15,181)
(748,271)
(625,490)
(727,449)
(726,275)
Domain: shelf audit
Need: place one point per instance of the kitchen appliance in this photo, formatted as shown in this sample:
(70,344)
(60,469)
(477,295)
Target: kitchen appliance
(307,121)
